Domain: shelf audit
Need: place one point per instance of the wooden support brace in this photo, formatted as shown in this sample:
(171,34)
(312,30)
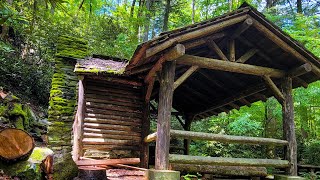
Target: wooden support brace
(212,45)
(305,68)
(232,50)
(247,55)
(172,54)
(243,27)
(149,90)
(184,76)
(229,66)
(278,94)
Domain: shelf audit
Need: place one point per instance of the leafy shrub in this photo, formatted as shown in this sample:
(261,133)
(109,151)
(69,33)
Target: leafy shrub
(312,152)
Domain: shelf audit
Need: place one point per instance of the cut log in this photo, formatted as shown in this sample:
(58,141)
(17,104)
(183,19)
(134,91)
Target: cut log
(221,65)
(222,170)
(15,145)
(201,160)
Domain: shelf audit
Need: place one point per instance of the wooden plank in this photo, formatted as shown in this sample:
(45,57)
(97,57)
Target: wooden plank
(110,112)
(164,115)
(78,123)
(226,138)
(113,117)
(112,127)
(222,170)
(114,122)
(200,160)
(216,64)
(277,93)
(112,107)
(108,161)
(212,45)
(113,102)
(149,90)
(113,92)
(103,147)
(112,85)
(111,98)
(111,136)
(185,76)
(201,41)
(111,132)
(109,141)
(247,55)
(289,127)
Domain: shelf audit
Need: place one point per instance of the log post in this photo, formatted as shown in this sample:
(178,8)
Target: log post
(144,153)
(78,124)
(164,115)
(186,142)
(288,126)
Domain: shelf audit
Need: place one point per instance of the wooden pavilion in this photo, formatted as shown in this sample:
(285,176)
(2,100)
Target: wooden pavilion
(199,70)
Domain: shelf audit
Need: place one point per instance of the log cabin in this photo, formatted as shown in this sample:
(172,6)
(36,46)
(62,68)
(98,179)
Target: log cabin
(200,71)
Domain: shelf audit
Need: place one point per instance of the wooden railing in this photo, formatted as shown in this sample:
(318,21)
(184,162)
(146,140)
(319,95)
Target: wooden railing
(187,161)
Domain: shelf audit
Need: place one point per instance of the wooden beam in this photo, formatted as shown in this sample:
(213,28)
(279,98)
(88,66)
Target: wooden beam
(247,55)
(305,68)
(149,90)
(195,34)
(278,94)
(77,148)
(283,45)
(212,45)
(184,76)
(89,162)
(226,138)
(172,54)
(301,81)
(199,42)
(222,170)
(145,130)
(289,127)
(232,50)
(164,115)
(200,160)
(229,66)
(150,138)
(243,27)
(187,127)
(235,106)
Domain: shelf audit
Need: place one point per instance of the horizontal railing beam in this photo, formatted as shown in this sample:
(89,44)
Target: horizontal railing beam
(201,160)
(226,138)
(151,137)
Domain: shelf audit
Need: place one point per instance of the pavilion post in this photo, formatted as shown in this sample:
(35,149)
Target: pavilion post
(164,115)
(288,126)
(144,154)
(186,142)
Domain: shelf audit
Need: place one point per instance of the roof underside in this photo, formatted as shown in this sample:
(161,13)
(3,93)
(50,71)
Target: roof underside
(209,92)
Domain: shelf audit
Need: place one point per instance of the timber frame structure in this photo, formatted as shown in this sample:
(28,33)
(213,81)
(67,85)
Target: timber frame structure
(199,70)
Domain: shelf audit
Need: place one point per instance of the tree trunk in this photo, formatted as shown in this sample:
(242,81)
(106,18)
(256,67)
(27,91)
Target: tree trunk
(166,16)
(132,8)
(299,6)
(16,145)
(148,17)
(193,10)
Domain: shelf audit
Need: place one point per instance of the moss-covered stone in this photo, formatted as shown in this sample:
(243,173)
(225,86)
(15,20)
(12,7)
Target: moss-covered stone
(65,169)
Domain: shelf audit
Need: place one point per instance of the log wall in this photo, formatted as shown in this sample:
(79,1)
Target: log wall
(113,119)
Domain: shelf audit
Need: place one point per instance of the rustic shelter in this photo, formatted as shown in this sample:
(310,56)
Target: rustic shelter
(199,70)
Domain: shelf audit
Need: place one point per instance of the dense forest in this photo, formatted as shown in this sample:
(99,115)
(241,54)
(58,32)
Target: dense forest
(28,42)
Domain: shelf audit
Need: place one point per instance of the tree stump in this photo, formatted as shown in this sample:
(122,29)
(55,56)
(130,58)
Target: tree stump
(15,145)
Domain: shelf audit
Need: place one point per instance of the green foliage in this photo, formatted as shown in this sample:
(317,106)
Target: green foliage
(312,153)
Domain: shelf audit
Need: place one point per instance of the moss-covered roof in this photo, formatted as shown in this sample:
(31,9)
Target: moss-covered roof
(98,65)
